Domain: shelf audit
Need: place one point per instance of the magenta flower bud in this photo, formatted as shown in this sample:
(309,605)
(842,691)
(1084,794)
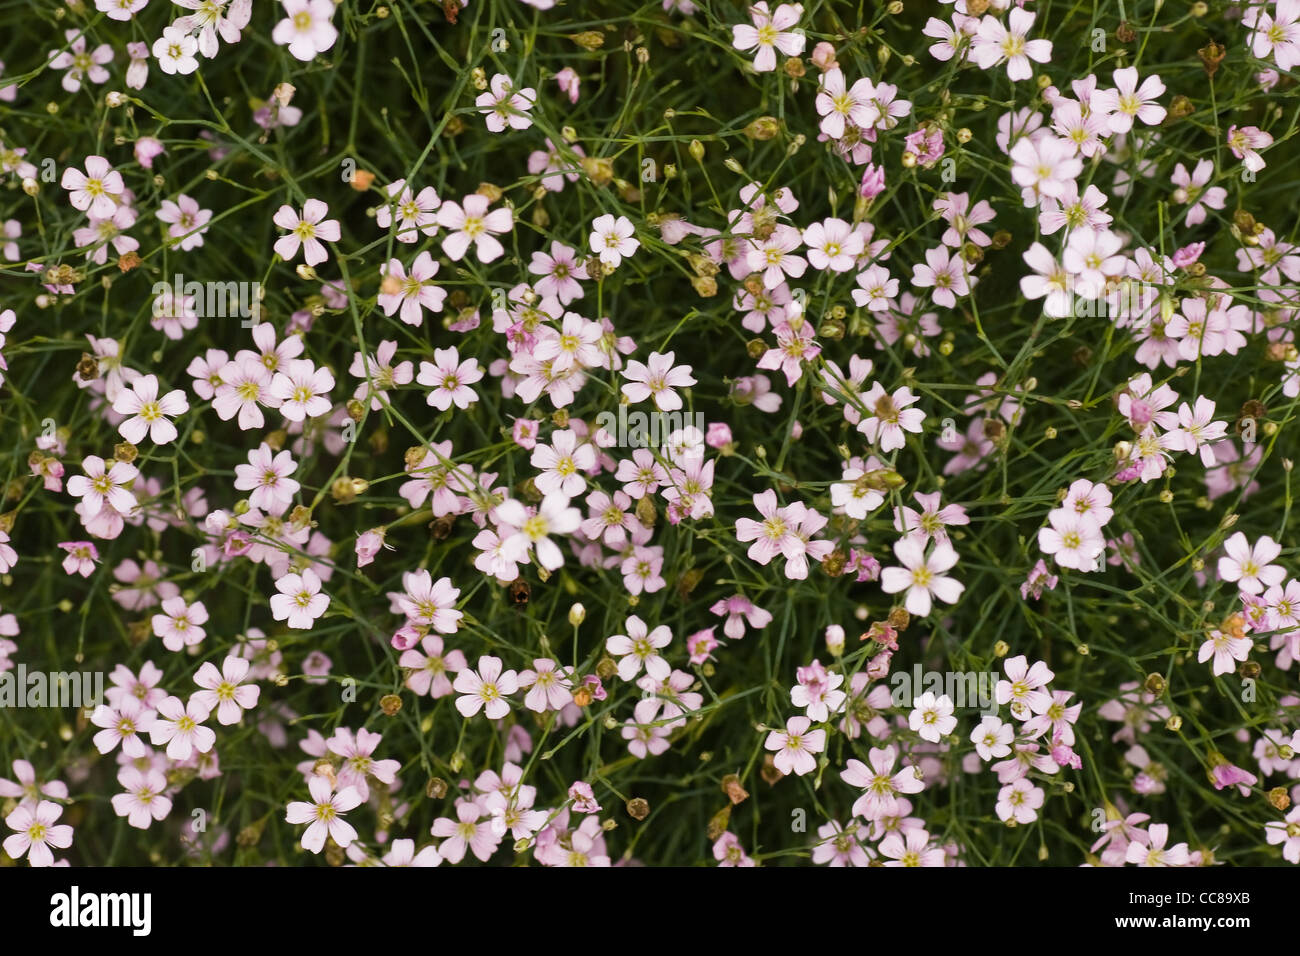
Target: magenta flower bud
(146,149)
(873,182)
(823,57)
(719,435)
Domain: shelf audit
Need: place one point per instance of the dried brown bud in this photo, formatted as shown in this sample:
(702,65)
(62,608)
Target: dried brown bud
(390,704)
(638,808)
(1125,33)
(606,668)
(689,581)
(1155,685)
(833,564)
(125,452)
(600,171)
(706,287)
(87,367)
(1211,55)
(732,788)
(771,776)
(589,39)
(756,348)
(1180,107)
(362,180)
(1001,238)
(1279,798)
(899,619)
(645,512)
(436,788)
(128,261)
(718,823)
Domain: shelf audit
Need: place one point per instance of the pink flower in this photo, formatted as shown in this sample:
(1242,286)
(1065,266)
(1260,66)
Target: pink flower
(1044,166)
(1153,852)
(310,228)
(122,723)
(994,43)
(922,576)
(839,104)
(224,690)
(306,30)
(80,63)
(1023,688)
(553,516)
(569,83)
(612,239)
(503,105)
(355,750)
(796,746)
(657,381)
(946,274)
(485,689)
(881,785)
(180,625)
(81,558)
(1019,800)
(1286,832)
(1072,539)
(1244,141)
(550,687)
(739,611)
(99,487)
(413,292)
(325,812)
(450,379)
(1277,33)
(97,191)
(890,417)
(429,667)
(1249,566)
(640,647)
(302,390)
(178,726)
(770,32)
(1129,102)
(1191,190)
(1225,649)
(563,464)
(470,831)
(267,476)
(300,601)
(472,223)
(36,833)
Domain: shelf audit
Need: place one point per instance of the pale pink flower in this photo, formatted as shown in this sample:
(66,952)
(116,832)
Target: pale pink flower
(325,812)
